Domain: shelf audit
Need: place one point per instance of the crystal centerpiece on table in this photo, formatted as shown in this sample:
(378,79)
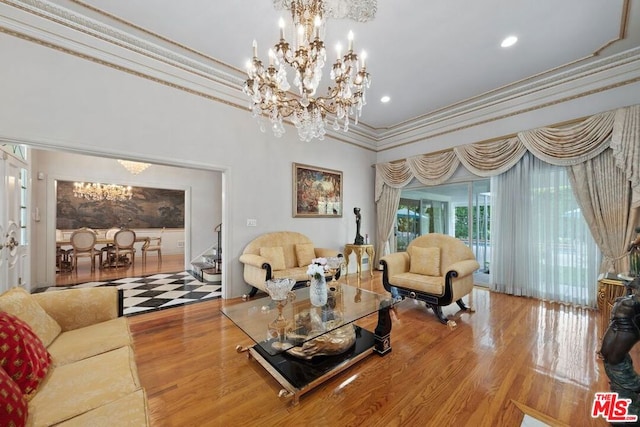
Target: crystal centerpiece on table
(280,292)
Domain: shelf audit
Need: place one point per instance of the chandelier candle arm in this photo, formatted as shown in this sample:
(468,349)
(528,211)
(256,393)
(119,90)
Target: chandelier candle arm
(268,88)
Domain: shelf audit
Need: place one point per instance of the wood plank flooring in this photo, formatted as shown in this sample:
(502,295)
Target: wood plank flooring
(169,264)
(511,349)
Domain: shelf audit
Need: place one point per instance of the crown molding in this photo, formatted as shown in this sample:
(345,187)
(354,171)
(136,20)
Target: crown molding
(579,81)
(107,33)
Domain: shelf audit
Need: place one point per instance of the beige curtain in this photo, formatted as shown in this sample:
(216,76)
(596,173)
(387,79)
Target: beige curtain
(386,208)
(626,149)
(567,146)
(394,175)
(604,195)
(390,178)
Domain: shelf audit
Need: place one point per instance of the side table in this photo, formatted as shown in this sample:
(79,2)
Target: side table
(359,250)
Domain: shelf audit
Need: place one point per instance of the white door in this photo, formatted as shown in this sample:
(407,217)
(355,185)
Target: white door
(13,221)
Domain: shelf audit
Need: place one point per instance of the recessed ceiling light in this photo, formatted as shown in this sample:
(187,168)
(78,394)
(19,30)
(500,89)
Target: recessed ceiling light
(509,41)
(385,99)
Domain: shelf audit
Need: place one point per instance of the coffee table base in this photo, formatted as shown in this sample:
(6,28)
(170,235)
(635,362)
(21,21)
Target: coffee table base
(299,376)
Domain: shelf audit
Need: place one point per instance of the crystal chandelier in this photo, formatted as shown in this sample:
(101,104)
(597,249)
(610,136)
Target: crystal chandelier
(96,191)
(134,167)
(268,86)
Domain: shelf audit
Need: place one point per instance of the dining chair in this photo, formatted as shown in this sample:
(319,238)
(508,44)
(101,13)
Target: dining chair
(153,244)
(83,242)
(123,242)
(109,235)
(62,255)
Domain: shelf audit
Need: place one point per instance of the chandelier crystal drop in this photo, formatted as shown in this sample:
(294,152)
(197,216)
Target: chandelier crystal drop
(97,192)
(268,87)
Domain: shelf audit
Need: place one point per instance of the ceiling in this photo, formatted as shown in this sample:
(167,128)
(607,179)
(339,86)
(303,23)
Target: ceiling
(428,56)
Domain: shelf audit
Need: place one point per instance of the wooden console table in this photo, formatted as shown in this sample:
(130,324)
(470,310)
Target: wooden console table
(359,250)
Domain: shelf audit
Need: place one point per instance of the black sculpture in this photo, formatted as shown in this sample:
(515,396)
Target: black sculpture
(621,335)
(359,239)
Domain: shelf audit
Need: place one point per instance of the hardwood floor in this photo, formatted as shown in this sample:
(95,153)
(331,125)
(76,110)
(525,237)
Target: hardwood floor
(169,264)
(512,352)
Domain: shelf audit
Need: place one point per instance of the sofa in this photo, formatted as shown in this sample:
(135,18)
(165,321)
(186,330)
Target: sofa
(281,254)
(435,268)
(86,371)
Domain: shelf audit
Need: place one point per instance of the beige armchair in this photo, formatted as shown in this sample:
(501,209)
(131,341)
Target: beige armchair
(436,268)
(282,254)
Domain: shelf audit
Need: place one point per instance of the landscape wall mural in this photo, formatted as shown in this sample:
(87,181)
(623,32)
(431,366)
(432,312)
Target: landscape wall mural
(148,208)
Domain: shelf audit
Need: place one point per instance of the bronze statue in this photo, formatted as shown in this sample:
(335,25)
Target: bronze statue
(359,239)
(621,335)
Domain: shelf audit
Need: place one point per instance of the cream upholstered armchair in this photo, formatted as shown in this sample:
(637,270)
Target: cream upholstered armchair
(436,268)
(281,254)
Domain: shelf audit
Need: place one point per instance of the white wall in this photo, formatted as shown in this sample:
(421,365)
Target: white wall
(57,100)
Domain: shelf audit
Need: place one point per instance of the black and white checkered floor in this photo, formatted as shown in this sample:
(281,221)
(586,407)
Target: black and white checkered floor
(159,291)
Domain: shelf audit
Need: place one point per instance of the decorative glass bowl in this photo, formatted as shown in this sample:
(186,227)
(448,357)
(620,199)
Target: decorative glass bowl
(279,288)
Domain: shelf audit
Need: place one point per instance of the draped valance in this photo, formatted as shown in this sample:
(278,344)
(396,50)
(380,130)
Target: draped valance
(565,146)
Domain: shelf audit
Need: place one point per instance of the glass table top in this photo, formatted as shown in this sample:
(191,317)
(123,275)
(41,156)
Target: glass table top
(279,326)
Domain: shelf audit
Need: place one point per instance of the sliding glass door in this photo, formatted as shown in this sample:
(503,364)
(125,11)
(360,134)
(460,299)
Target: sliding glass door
(481,213)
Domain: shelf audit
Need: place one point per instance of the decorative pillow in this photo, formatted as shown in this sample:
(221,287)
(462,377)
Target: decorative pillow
(425,261)
(22,355)
(20,303)
(275,255)
(13,405)
(305,254)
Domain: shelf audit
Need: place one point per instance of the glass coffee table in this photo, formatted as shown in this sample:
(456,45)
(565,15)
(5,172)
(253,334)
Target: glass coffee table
(301,345)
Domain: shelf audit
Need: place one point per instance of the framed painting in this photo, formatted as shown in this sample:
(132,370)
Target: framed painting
(317,192)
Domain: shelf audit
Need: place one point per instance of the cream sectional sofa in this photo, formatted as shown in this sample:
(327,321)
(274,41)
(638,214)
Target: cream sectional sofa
(281,254)
(93,378)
